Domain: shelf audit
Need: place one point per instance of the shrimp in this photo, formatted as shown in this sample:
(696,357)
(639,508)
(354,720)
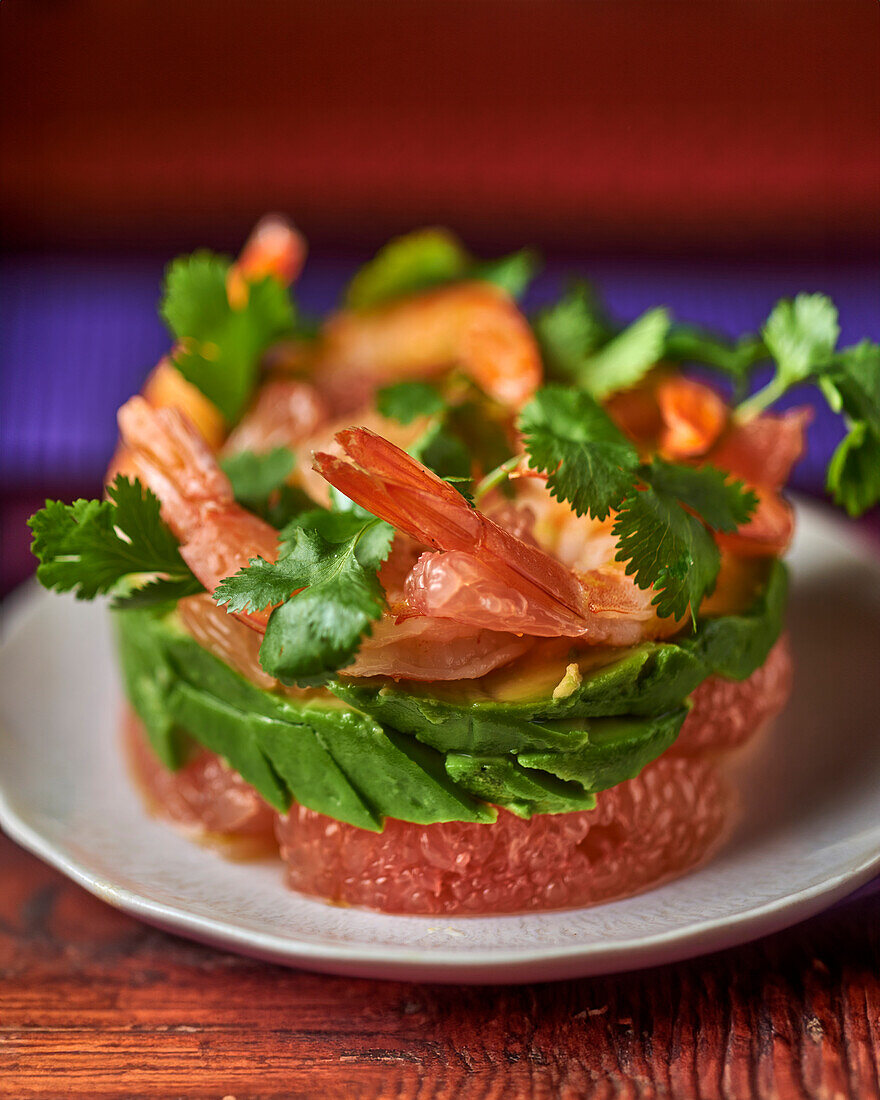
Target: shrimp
(694,426)
(473,325)
(273,248)
(217,536)
(286,412)
(483,575)
(693,417)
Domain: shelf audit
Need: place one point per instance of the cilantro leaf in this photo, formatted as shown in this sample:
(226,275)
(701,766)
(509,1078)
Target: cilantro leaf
(691,344)
(590,463)
(666,548)
(722,503)
(852,386)
(220,347)
(88,547)
(852,383)
(255,477)
(801,336)
(571,330)
(579,344)
(663,509)
(512,273)
(443,451)
(854,470)
(327,589)
(406,401)
(428,258)
(628,356)
(416,261)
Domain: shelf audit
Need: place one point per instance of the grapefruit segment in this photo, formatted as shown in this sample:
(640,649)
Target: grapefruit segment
(205,795)
(726,713)
(641,832)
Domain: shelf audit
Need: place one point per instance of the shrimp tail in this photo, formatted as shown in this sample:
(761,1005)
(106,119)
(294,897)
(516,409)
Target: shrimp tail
(396,487)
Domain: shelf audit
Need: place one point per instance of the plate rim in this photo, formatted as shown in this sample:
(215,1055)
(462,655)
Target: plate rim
(439,963)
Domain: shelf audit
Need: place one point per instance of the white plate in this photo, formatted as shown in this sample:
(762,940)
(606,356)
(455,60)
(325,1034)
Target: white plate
(809,833)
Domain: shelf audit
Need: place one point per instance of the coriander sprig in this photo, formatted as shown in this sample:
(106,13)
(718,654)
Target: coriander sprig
(326,590)
(92,547)
(665,512)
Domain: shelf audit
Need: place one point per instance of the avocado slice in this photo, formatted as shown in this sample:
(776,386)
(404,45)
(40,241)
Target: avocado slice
(503,781)
(540,738)
(327,756)
(521,709)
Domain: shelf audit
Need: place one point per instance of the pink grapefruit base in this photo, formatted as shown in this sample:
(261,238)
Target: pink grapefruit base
(642,832)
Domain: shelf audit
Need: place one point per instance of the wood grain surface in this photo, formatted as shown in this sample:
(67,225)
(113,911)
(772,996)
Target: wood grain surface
(96,1004)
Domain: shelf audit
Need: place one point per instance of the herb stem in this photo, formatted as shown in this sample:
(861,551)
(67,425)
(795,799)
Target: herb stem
(496,477)
(763,397)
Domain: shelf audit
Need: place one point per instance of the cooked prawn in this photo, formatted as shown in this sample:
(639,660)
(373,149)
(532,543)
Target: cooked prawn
(474,325)
(483,575)
(217,536)
(274,247)
(694,426)
(285,413)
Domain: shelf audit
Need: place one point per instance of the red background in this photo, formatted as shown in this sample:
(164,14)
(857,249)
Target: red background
(629,125)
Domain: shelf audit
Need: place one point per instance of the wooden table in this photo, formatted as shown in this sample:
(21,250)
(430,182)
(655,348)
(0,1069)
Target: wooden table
(93,1003)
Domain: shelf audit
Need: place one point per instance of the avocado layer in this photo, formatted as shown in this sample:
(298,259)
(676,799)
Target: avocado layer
(359,767)
(516,710)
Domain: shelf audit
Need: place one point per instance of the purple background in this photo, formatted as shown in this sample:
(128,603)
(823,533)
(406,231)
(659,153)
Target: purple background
(79,335)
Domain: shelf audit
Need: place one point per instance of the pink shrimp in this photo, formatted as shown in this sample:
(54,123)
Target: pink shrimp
(274,247)
(473,325)
(217,536)
(484,575)
(286,412)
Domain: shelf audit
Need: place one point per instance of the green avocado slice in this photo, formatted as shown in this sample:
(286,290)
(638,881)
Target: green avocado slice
(615,749)
(148,678)
(327,756)
(503,781)
(520,710)
(539,740)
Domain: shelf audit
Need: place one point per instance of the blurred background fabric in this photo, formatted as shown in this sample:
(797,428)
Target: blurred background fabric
(710,156)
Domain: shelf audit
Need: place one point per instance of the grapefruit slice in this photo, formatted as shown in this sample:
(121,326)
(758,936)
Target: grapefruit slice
(727,713)
(642,832)
(205,796)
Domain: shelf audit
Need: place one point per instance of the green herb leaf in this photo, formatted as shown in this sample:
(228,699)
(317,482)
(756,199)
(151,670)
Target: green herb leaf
(590,462)
(512,273)
(571,330)
(627,357)
(406,401)
(854,376)
(444,452)
(854,471)
(220,347)
(90,546)
(690,344)
(666,548)
(663,509)
(801,335)
(417,261)
(255,477)
(433,257)
(327,589)
(579,344)
(722,503)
